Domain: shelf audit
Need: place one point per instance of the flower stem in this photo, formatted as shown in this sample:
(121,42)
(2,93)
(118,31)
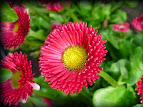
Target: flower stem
(46,96)
(109,79)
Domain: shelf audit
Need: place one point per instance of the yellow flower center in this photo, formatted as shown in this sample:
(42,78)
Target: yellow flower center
(121,26)
(16,26)
(15,78)
(74,57)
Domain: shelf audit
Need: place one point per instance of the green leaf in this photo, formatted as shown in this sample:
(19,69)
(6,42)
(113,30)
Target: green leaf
(138,105)
(98,14)
(131,4)
(39,22)
(28,46)
(57,18)
(118,17)
(136,66)
(37,35)
(86,7)
(113,97)
(137,39)
(121,67)
(110,37)
(5,74)
(7,14)
(47,91)
(124,72)
(126,48)
(116,5)
(35,101)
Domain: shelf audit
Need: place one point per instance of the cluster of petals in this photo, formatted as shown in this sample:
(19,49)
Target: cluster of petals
(52,67)
(10,95)
(137,23)
(140,88)
(13,34)
(121,27)
(54,5)
(55,26)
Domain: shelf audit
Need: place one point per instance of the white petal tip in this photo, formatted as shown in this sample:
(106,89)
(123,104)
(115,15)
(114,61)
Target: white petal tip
(23,101)
(35,86)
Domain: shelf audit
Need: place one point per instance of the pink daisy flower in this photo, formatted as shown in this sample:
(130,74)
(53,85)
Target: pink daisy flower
(121,27)
(70,57)
(54,5)
(140,88)
(138,23)
(55,26)
(13,34)
(21,84)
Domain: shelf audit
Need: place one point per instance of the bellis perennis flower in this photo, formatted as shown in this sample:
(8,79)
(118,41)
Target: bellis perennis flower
(21,84)
(121,27)
(70,57)
(138,23)
(140,88)
(13,34)
(54,5)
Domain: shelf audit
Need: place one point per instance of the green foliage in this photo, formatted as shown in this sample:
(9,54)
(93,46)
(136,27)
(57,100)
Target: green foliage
(136,63)
(35,101)
(120,68)
(113,97)
(5,74)
(124,61)
(7,14)
(47,91)
(118,17)
(138,105)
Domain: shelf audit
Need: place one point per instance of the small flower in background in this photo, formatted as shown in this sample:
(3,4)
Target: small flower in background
(140,88)
(13,34)
(138,23)
(48,101)
(55,26)
(54,5)
(21,84)
(70,57)
(121,27)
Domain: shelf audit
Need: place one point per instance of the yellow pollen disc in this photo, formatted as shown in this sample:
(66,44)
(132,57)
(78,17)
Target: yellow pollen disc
(15,78)
(15,28)
(74,58)
(121,26)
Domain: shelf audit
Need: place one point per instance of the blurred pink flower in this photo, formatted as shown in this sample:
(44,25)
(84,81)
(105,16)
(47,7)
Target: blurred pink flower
(55,26)
(13,34)
(21,84)
(48,101)
(138,23)
(54,5)
(140,88)
(121,27)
